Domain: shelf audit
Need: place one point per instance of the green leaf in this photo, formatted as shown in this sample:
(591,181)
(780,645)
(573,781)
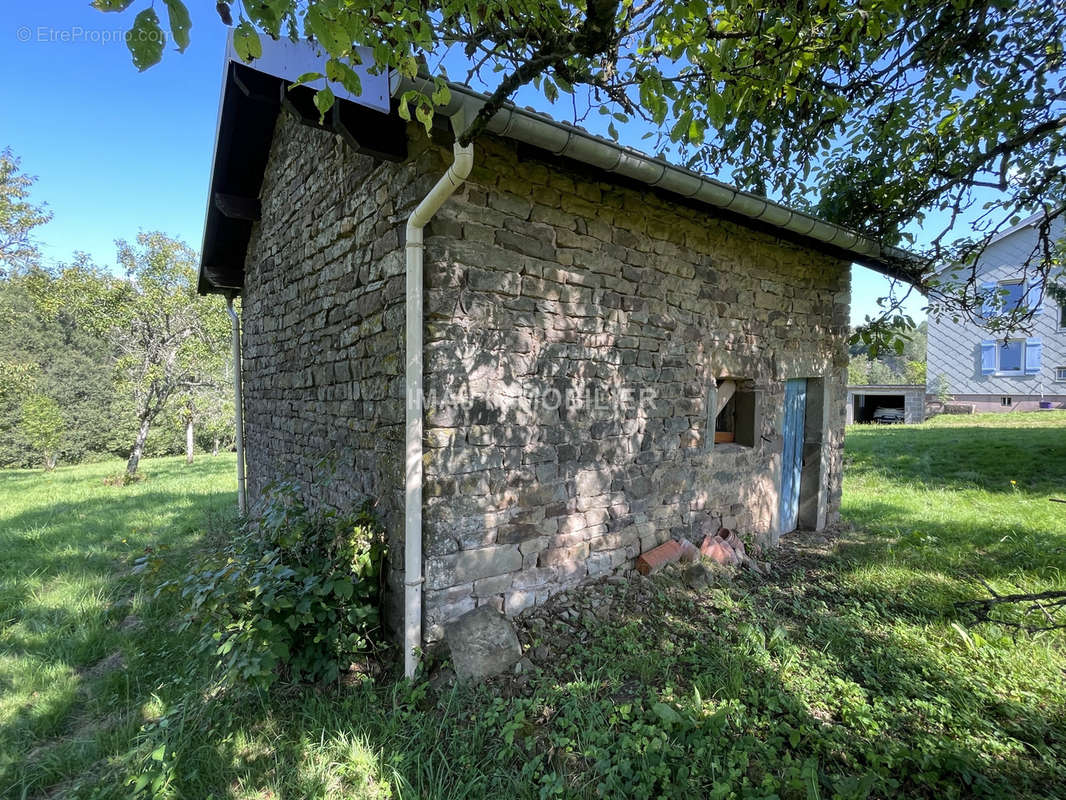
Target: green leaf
(666,713)
(145,40)
(266,14)
(180,23)
(111,5)
(407,66)
(324,100)
(330,34)
(442,95)
(424,114)
(343,74)
(716,108)
(246,42)
(342,588)
(307,77)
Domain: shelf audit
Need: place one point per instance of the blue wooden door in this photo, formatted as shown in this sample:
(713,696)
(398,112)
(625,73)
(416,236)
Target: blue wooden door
(792,453)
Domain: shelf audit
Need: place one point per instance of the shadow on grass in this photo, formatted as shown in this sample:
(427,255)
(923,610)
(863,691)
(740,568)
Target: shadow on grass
(813,683)
(962,457)
(77,636)
(999,549)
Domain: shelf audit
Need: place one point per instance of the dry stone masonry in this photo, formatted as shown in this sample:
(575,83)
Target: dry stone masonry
(575,334)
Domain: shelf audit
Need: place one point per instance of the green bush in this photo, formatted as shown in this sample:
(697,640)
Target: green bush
(295,592)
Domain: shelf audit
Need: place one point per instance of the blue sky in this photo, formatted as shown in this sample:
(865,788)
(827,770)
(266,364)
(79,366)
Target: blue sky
(117,151)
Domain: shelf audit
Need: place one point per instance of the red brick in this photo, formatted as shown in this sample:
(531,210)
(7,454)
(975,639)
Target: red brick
(733,541)
(659,557)
(719,550)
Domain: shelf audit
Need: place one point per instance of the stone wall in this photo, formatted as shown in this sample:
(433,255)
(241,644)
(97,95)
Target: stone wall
(545,282)
(323,317)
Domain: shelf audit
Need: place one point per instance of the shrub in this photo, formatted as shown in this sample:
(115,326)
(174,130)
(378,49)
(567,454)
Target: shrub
(295,590)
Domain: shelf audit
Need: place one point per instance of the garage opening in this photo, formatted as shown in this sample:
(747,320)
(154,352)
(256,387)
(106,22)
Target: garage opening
(881,408)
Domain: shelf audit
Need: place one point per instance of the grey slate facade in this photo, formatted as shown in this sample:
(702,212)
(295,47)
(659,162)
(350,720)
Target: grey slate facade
(971,363)
(575,332)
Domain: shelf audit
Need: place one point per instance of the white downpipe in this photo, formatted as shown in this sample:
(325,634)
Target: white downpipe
(238,404)
(412,614)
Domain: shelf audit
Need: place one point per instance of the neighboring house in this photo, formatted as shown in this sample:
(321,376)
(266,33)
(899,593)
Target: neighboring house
(1003,373)
(594,321)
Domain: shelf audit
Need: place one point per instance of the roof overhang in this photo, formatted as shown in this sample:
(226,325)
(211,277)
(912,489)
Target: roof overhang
(252,99)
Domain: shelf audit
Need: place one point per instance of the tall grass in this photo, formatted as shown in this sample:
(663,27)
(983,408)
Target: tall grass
(850,673)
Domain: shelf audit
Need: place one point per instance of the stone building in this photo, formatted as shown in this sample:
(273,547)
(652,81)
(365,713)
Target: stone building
(609,341)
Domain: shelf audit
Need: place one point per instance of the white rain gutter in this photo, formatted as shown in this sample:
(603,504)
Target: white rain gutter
(568,141)
(413,579)
(238,404)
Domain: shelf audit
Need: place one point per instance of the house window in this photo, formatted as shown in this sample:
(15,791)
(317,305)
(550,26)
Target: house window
(1060,374)
(1008,297)
(1011,294)
(1010,356)
(737,412)
(1006,401)
(1062,317)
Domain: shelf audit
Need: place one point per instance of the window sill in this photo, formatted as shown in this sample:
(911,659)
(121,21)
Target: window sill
(1018,374)
(732,447)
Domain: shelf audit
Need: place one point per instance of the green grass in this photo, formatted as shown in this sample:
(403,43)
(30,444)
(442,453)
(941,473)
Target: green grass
(849,673)
(68,542)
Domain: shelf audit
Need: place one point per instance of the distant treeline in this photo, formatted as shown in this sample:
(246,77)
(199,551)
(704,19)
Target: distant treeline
(907,367)
(91,414)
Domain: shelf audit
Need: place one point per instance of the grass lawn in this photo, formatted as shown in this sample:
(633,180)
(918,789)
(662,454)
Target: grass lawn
(847,673)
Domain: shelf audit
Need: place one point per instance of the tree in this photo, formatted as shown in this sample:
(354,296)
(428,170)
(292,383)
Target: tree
(169,340)
(14,378)
(18,216)
(915,373)
(881,115)
(52,356)
(43,425)
(216,418)
(858,371)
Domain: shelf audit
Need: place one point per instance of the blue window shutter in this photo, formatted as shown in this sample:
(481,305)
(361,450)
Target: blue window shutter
(988,357)
(1036,295)
(1032,356)
(988,289)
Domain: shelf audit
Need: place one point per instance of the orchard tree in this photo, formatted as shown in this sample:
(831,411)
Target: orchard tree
(214,412)
(168,339)
(18,217)
(15,377)
(43,426)
(887,116)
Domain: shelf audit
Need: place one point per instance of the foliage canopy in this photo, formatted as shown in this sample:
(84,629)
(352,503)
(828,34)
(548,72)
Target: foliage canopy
(168,340)
(18,216)
(888,116)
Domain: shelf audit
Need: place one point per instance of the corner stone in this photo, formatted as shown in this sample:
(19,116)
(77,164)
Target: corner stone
(482,644)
